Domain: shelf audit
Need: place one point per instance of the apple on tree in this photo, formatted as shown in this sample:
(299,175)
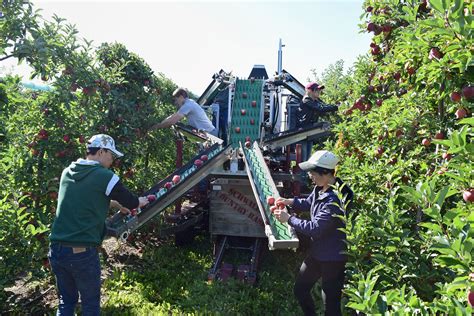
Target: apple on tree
(468,195)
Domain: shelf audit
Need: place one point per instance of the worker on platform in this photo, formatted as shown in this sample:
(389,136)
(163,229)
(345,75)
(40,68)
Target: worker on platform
(310,109)
(86,191)
(326,259)
(188,108)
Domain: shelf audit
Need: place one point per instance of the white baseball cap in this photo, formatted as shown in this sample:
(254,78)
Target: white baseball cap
(103,141)
(321,158)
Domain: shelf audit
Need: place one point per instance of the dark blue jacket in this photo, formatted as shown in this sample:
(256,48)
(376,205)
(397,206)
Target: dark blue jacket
(327,241)
(310,110)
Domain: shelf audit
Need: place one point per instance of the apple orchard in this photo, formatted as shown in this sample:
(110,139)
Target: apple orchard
(404,138)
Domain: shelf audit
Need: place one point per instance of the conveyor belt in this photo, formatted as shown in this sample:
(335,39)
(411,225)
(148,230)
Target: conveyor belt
(319,130)
(195,135)
(122,225)
(280,236)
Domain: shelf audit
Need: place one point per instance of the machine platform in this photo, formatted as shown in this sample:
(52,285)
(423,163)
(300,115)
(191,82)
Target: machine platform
(317,131)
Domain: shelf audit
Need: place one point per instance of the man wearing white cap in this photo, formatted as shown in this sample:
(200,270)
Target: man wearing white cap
(86,190)
(326,259)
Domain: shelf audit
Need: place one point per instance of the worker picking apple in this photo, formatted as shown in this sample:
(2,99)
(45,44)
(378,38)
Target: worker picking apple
(86,191)
(189,109)
(326,259)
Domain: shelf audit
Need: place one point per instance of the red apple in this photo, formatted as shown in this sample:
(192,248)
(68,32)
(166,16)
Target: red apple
(32,144)
(270,200)
(66,138)
(371,27)
(468,93)
(379,102)
(397,76)
(176,179)
(447,156)
(470,298)
(168,185)
(43,134)
(254,103)
(252,122)
(468,195)
(35,152)
(151,198)
(243,111)
(426,142)
(461,113)
(386,28)
(53,195)
(237,129)
(82,140)
(198,163)
(398,133)
(369,9)
(375,50)
(244,95)
(439,135)
(273,208)
(204,157)
(455,96)
(280,205)
(248,144)
(410,70)
(435,54)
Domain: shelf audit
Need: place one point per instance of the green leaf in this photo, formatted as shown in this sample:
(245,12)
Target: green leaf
(437,5)
(432,226)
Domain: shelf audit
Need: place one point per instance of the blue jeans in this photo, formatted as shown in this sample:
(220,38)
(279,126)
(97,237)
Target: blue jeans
(76,274)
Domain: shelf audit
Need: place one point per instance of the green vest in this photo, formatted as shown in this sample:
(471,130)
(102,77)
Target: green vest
(82,205)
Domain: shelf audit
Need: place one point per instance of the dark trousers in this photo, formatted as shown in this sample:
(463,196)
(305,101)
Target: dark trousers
(77,273)
(331,274)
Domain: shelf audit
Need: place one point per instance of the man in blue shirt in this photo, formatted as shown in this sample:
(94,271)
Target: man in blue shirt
(326,259)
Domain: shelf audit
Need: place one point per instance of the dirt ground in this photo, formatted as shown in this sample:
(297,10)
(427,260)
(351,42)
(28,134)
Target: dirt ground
(34,297)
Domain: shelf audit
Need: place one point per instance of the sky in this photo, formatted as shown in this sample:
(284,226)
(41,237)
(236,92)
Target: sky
(189,41)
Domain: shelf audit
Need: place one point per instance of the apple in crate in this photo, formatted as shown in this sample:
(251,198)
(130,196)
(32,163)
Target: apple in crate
(273,208)
(168,185)
(254,103)
(204,157)
(248,144)
(151,198)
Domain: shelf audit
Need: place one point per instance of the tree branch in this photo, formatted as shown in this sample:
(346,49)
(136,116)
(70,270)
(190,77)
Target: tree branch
(6,57)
